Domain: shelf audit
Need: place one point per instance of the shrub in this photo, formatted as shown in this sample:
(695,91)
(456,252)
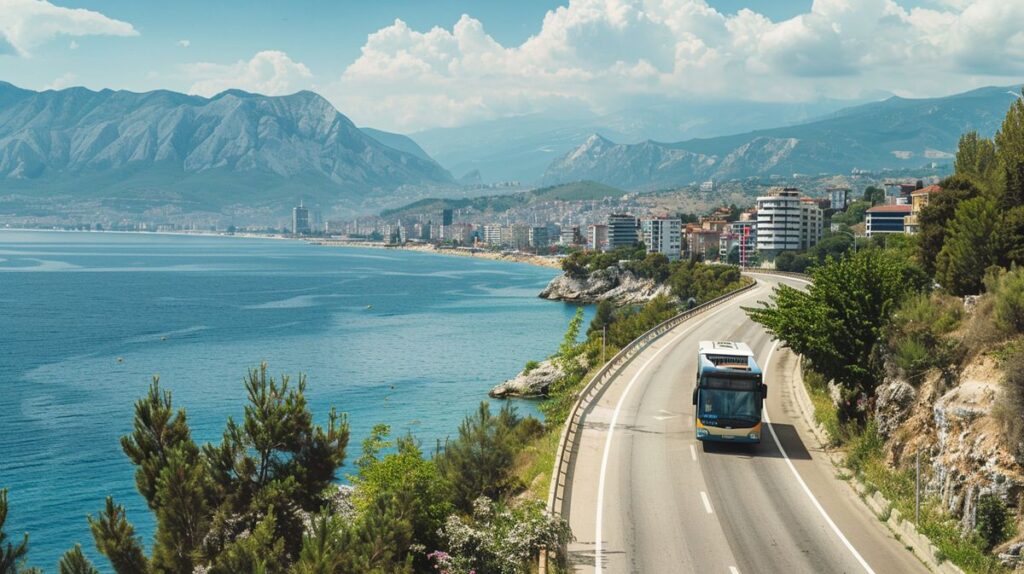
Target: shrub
(499,539)
(1010,409)
(913,358)
(1009,300)
(992,520)
(917,338)
(530,365)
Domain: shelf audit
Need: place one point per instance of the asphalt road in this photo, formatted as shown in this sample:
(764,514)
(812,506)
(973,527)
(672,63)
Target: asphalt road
(645,496)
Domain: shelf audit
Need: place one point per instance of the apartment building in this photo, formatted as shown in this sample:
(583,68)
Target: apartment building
(663,235)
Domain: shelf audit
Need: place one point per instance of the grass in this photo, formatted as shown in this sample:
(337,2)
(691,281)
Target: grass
(865,458)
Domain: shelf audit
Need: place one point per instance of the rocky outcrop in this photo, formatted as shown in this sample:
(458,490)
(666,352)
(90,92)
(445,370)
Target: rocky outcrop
(969,461)
(620,286)
(532,383)
(892,405)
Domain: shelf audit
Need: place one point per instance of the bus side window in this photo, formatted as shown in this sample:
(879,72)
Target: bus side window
(695,396)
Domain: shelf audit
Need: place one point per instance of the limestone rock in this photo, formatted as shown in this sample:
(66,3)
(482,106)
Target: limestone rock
(894,399)
(529,384)
(620,286)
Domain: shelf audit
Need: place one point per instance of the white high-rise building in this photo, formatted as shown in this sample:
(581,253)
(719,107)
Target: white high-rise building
(663,235)
(787,222)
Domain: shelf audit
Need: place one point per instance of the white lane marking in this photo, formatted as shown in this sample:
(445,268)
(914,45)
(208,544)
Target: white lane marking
(803,484)
(734,570)
(693,452)
(599,522)
(706,501)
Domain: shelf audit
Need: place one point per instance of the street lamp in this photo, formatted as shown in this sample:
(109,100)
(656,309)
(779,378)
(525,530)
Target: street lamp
(852,236)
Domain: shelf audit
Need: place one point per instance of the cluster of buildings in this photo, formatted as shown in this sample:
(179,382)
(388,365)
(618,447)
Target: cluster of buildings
(783,219)
(901,215)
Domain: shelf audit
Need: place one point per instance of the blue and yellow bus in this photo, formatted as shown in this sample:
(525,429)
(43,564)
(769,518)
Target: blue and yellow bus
(729,393)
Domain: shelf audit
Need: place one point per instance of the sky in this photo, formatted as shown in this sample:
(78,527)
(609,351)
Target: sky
(409,65)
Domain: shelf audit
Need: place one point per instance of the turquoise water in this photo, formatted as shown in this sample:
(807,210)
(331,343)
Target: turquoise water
(86,319)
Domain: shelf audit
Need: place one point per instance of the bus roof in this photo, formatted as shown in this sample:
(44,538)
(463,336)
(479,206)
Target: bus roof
(725,348)
(727,356)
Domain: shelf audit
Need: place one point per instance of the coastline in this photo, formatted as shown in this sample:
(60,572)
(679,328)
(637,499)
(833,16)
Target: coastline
(507,256)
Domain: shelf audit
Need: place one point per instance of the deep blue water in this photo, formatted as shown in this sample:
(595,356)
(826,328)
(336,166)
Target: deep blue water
(86,319)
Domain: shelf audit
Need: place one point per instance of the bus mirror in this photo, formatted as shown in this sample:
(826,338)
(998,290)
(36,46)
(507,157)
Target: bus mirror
(764,391)
(695,396)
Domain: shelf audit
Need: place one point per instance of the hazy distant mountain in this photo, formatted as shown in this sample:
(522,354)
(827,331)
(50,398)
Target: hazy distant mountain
(235,148)
(521,148)
(399,142)
(894,133)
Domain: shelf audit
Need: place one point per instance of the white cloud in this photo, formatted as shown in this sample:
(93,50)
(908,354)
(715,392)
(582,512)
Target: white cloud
(601,53)
(65,80)
(184,43)
(269,72)
(26,24)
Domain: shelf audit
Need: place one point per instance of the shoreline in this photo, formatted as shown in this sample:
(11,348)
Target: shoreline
(427,248)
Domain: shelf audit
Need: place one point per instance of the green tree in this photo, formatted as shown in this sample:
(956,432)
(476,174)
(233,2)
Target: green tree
(479,462)
(382,537)
(261,552)
(74,562)
(405,471)
(935,217)
(266,472)
(992,522)
(976,159)
(602,317)
(874,195)
(969,248)
(839,320)
(323,546)
(115,538)
(12,555)
(1010,150)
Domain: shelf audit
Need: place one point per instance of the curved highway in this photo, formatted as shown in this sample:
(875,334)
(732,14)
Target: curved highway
(643,495)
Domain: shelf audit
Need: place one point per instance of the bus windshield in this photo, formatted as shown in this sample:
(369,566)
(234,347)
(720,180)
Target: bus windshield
(726,405)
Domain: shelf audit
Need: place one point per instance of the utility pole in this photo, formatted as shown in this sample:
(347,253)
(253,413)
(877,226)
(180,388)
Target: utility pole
(604,337)
(917,490)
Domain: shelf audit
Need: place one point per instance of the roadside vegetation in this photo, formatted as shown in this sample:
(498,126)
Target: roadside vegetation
(264,499)
(917,310)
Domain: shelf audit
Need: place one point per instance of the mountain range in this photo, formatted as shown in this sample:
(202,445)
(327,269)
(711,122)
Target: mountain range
(521,148)
(235,148)
(894,133)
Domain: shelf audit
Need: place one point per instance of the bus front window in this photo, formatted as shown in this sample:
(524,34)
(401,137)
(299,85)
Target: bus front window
(734,405)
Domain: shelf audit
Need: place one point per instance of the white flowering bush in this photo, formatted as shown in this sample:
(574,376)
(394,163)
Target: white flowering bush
(499,539)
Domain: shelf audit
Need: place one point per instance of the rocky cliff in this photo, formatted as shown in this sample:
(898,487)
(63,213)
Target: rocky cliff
(614,284)
(534,382)
(951,421)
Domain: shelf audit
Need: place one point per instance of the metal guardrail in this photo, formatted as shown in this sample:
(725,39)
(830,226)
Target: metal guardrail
(756,271)
(573,423)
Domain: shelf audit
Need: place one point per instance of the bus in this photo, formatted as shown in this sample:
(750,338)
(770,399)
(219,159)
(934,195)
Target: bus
(729,393)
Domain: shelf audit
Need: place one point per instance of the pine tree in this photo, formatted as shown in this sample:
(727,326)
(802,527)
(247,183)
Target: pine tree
(479,462)
(381,539)
(1010,149)
(935,217)
(157,431)
(970,247)
(323,546)
(976,159)
(12,556)
(115,538)
(74,562)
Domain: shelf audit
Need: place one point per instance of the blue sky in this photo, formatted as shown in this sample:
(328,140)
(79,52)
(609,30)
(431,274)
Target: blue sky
(409,65)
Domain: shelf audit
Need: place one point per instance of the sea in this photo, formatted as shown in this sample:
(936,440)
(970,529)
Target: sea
(407,339)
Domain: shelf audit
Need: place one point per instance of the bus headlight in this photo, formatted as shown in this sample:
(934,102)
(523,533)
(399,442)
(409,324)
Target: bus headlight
(702,433)
(754,436)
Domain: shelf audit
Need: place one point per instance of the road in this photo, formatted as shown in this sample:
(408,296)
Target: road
(643,495)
